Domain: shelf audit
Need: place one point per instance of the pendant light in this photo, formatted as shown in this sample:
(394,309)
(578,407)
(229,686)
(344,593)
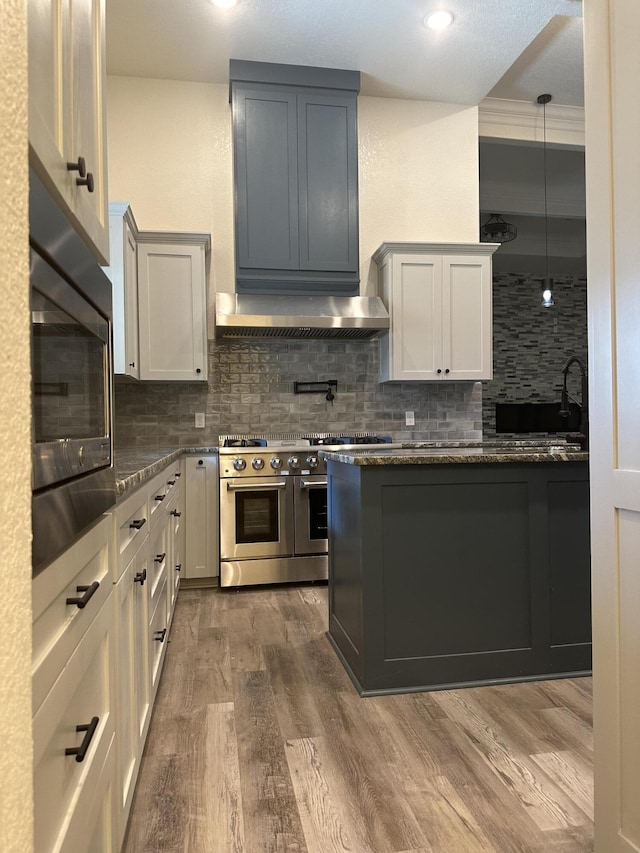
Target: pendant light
(547,285)
(496,230)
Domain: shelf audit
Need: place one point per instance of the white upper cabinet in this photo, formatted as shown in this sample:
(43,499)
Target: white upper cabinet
(123,273)
(439,298)
(172,306)
(67,137)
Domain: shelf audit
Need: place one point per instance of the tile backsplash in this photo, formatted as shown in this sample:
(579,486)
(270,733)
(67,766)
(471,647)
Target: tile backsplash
(531,344)
(250,390)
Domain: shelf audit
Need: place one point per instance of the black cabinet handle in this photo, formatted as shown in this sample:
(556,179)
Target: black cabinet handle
(132,364)
(80,166)
(159,497)
(159,557)
(83,600)
(447,370)
(81,751)
(179,567)
(200,461)
(438,370)
(178,474)
(140,577)
(176,513)
(137,523)
(171,482)
(198,370)
(160,635)
(86,182)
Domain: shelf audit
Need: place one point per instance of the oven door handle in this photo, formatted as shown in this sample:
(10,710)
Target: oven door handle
(237,487)
(313,484)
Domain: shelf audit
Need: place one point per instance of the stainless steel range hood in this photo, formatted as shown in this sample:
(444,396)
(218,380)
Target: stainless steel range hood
(245,315)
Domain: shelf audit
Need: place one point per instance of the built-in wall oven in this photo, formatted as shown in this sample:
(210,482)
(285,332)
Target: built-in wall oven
(273,508)
(73,480)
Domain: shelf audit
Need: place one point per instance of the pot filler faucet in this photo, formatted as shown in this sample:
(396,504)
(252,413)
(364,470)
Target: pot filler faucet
(583,436)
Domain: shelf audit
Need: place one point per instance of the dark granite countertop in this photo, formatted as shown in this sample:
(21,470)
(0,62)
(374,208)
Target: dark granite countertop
(438,453)
(135,466)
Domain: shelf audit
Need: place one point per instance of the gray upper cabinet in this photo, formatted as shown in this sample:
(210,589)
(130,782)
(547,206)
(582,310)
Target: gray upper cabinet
(296,178)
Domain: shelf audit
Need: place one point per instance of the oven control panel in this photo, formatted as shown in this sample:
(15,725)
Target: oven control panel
(269,462)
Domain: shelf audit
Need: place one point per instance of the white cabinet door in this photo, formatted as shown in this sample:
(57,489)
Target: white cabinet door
(415,308)
(132,679)
(466,318)
(123,273)
(202,527)
(172,304)
(67,111)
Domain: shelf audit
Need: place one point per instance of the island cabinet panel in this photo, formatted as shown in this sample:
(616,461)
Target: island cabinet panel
(446,575)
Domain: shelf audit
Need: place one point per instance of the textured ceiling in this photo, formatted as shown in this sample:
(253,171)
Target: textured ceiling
(514,49)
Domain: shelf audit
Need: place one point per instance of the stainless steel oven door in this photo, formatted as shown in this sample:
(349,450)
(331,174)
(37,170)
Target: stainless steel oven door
(256,517)
(310,508)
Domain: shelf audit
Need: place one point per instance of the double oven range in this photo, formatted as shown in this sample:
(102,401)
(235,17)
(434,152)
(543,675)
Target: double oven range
(273,507)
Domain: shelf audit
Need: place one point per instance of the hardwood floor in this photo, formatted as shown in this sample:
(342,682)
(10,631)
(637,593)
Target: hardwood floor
(260,744)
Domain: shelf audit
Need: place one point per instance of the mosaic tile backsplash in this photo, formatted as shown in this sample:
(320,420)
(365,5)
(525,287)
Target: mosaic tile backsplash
(250,390)
(531,344)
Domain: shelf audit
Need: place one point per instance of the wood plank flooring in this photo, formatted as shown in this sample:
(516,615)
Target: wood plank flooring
(260,744)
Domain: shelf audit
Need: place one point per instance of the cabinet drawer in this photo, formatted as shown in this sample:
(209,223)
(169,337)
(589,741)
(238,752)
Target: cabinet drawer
(57,625)
(158,491)
(132,525)
(80,695)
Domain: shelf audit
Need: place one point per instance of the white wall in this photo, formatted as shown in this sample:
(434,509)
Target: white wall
(16,795)
(170,157)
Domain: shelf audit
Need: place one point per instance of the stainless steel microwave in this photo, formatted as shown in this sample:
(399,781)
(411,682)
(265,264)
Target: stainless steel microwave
(73,480)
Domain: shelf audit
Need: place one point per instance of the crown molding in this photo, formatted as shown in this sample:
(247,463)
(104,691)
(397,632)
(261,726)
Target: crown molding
(523,121)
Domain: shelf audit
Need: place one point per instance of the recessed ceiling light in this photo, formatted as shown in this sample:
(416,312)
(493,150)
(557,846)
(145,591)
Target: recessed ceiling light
(224,4)
(439,20)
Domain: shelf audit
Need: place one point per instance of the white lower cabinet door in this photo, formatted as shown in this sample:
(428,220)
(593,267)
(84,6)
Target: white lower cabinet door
(202,521)
(73,731)
(132,680)
(158,630)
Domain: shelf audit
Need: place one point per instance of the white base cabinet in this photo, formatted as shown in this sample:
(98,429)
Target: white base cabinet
(439,299)
(202,517)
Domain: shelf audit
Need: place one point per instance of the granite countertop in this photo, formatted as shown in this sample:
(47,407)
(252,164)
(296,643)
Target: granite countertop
(134,466)
(438,453)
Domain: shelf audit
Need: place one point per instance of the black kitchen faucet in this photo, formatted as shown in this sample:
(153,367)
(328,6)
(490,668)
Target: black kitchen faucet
(583,435)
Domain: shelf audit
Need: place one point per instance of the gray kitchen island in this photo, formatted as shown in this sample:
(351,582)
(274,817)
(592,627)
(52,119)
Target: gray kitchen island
(459,566)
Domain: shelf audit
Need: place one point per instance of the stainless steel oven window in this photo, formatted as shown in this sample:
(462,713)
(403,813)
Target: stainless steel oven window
(69,391)
(256,518)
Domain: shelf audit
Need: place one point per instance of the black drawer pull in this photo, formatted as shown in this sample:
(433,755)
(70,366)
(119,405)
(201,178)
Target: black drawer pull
(83,600)
(80,166)
(160,635)
(159,558)
(176,513)
(178,474)
(171,482)
(81,751)
(137,523)
(159,497)
(179,567)
(140,577)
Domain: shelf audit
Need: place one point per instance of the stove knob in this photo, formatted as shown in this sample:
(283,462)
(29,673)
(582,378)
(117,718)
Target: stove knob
(294,462)
(257,463)
(276,463)
(312,461)
(239,464)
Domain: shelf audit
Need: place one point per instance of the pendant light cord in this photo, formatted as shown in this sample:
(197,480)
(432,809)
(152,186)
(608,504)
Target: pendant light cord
(544,100)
